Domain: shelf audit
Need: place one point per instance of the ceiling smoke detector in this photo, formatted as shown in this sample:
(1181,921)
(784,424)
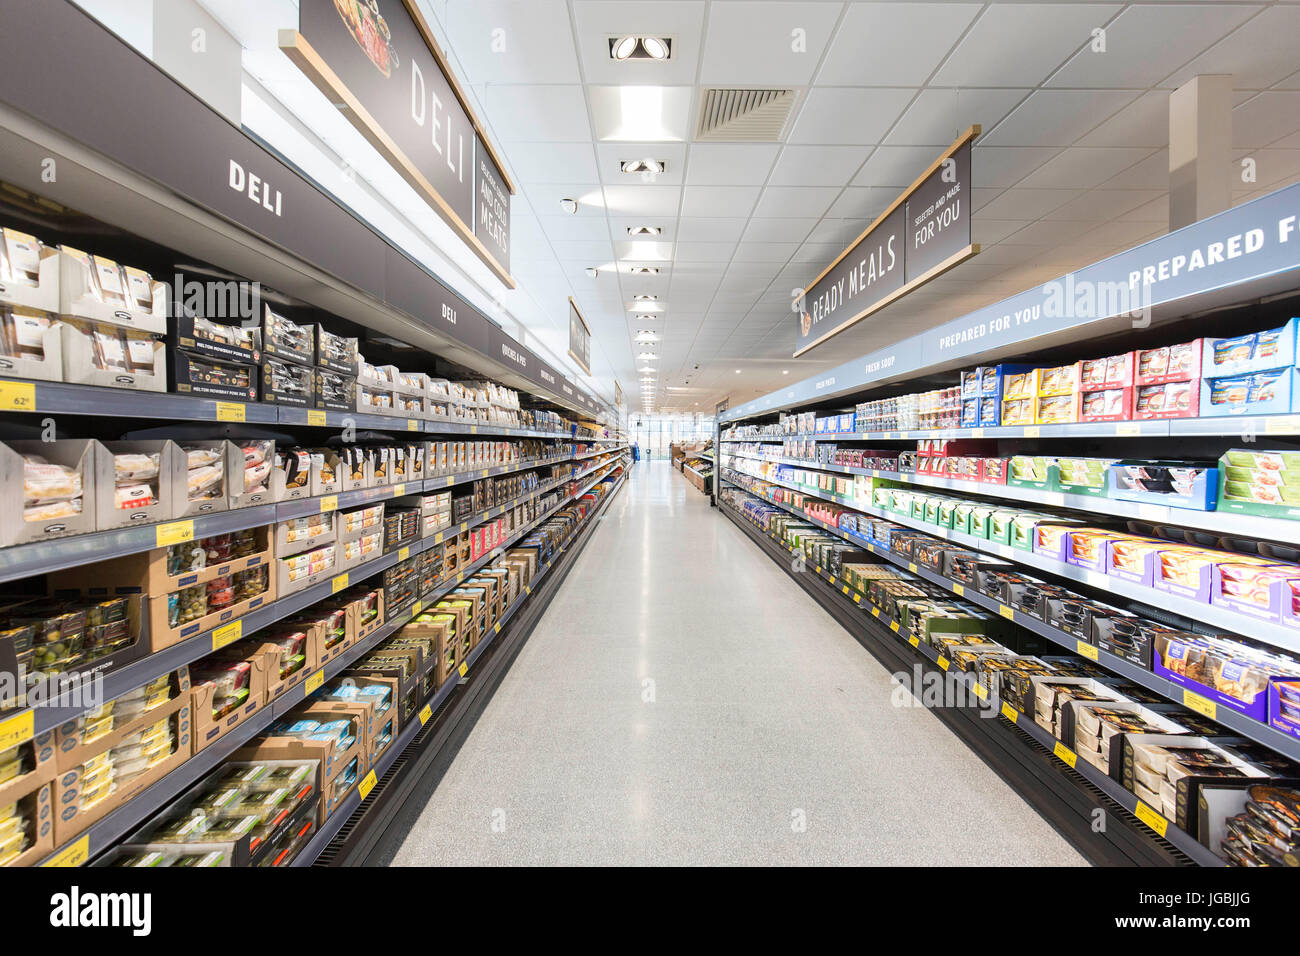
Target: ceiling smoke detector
(640,48)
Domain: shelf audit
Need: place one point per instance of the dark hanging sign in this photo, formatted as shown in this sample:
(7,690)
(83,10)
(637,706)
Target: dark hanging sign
(579,338)
(923,234)
(378,61)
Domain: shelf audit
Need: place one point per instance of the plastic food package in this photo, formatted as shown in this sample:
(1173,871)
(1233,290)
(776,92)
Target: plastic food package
(44,482)
(22,333)
(20,258)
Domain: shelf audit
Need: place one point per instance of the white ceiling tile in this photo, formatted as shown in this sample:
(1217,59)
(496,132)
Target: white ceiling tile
(1151,173)
(864,203)
(776,253)
(1135,59)
(1081,167)
(893,44)
(549,114)
(778,230)
(1157,210)
(545,198)
(634,114)
(937,117)
(1028,203)
(1257,55)
(1100,205)
(597,21)
(535,46)
(642,200)
(1001,166)
(1020,44)
(595,251)
(710,230)
(839,232)
(1047,232)
(817,165)
(837,115)
(553,162)
(755,42)
(643,250)
(719,201)
(1057,117)
(704,251)
(730,164)
(1144,122)
(818,253)
(795,201)
(574,228)
(896,167)
(987,232)
(1265,119)
(611,155)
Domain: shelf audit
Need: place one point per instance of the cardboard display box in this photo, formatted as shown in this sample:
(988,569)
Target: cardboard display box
(70,752)
(207,726)
(78,454)
(37,804)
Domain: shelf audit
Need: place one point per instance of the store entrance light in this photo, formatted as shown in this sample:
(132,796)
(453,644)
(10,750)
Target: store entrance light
(640,48)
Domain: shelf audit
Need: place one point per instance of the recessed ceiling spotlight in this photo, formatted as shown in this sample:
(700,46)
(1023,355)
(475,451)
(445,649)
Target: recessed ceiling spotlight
(785,371)
(644,230)
(569,205)
(640,48)
(646,318)
(645,335)
(654,166)
(647,356)
(643,270)
(737,371)
(645,298)
(592,272)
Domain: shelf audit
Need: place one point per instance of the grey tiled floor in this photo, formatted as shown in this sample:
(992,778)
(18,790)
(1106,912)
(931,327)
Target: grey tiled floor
(765,715)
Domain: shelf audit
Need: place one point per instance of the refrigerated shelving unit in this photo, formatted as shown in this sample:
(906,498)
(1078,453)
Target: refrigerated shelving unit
(1233,296)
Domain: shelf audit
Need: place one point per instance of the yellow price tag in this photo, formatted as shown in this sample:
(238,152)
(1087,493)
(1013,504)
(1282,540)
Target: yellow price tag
(893,626)
(914,641)
(316,417)
(451,480)
(1008,613)
(473,429)
(1065,755)
(1128,428)
(1152,819)
(425,714)
(367,784)
(399,490)
(496,628)
(977,433)
(18,396)
(911,566)
(981,691)
(74,854)
(339,583)
(1200,704)
(1281,425)
(845,589)
(528,590)
(329,503)
(1087,650)
(412,425)
(17,729)
(227,634)
(315,682)
(231,412)
(857,598)
(875,612)
(464,526)
(1009,713)
(943,662)
(416,608)
(485,473)
(463,669)
(174,532)
(1031,431)
(958,589)
(404,553)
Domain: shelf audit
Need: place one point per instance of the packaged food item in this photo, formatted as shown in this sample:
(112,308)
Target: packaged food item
(230,683)
(287,340)
(22,333)
(287,384)
(20,258)
(109,283)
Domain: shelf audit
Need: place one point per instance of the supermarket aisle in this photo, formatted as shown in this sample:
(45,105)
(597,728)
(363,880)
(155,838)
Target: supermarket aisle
(684,702)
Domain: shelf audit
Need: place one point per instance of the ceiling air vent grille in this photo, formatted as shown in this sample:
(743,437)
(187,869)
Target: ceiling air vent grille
(744,116)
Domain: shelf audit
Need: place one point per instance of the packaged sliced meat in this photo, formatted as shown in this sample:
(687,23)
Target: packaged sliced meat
(44,482)
(133,468)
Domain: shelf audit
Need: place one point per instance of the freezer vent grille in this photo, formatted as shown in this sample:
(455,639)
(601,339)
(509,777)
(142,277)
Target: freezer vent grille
(744,116)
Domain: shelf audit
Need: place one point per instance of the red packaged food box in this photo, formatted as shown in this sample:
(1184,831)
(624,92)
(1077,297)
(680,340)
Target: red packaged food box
(1113,371)
(1108,404)
(1169,363)
(994,470)
(1168,400)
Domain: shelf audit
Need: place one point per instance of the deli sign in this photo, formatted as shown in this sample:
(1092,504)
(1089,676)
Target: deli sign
(378,62)
(924,233)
